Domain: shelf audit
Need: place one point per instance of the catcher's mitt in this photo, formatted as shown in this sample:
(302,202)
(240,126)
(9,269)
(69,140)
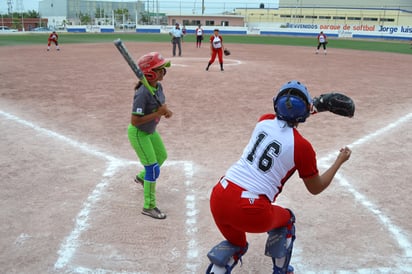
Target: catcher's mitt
(226,52)
(337,103)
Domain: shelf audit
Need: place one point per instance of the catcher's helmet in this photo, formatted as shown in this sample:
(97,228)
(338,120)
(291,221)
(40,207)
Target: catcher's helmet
(293,102)
(148,62)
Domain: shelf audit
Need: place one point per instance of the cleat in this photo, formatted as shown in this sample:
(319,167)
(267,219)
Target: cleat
(139,181)
(154,213)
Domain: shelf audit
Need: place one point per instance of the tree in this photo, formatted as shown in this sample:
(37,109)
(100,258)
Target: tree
(144,18)
(119,13)
(99,13)
(85,19)
(32,14)
(28,14)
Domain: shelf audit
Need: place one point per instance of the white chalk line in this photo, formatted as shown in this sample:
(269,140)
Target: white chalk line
(227,62)
(71,243)
(70,246)
(386,222)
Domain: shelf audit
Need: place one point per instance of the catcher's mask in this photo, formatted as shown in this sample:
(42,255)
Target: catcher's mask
(293,103)
(150,62)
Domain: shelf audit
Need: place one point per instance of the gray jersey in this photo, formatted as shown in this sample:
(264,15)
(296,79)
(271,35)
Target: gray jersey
(144,103)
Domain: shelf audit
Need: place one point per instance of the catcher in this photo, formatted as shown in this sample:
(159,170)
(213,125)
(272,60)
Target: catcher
(243,199)
(53,37)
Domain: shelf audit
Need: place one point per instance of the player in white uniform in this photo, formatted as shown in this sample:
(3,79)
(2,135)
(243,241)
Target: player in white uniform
(322,41)
(199,36)
(242,200)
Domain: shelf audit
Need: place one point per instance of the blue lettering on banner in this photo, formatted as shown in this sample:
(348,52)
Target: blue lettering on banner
(406,29)
(301,26)
(388,29)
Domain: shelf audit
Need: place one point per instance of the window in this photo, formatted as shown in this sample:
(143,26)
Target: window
(370,19)
(311,17)
(324,17)
(284,16)
(210,23)
(339,17)
(387,20)
(224,23)
(354,18)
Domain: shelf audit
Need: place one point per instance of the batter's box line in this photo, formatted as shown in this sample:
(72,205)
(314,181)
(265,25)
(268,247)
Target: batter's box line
(114,164)
(404,263)
(71,244)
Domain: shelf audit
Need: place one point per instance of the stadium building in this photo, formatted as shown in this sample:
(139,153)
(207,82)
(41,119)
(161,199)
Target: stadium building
(381,12)
(75,12)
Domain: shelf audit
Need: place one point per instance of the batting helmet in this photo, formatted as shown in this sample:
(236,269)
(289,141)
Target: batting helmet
(151,61)
(293,102)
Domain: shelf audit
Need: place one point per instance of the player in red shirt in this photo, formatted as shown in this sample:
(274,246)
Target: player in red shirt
(243,199)
(216,49)
(53,37)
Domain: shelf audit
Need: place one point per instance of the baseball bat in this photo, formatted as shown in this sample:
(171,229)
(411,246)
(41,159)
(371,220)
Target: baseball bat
(135,68)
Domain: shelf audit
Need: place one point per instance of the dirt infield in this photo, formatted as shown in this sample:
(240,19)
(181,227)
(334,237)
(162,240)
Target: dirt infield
(68,202)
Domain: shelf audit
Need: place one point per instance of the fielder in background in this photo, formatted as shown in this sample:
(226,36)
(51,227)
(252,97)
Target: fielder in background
(199,36)
(216,49)
(242,201)
(142,134)
(322,41)
(177,36)
(53,38)
(184,31)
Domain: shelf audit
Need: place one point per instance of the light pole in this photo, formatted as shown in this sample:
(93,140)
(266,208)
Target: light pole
(296,11)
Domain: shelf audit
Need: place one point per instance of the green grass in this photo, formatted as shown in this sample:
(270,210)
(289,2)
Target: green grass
(75,38)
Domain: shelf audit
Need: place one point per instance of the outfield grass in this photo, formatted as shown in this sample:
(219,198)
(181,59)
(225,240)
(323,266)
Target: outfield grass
(70,38)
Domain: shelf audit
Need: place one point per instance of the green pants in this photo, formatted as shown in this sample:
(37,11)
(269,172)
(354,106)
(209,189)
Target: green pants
(149,149)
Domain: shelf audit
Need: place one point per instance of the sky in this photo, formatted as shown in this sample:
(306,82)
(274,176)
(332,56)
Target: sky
(27,5)
(168,6)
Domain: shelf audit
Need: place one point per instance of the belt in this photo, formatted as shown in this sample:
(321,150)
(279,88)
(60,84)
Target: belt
(245,194)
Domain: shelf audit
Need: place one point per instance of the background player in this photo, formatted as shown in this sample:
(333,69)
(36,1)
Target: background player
(199,36)
(242,200)
(142,134)
(53,37)
(322,41)
(216,48)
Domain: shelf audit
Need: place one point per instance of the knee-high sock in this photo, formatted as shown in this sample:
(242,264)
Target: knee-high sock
(149,194)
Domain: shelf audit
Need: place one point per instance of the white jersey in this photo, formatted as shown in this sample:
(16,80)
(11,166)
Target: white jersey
(322,38)
(217,43)
(270,159)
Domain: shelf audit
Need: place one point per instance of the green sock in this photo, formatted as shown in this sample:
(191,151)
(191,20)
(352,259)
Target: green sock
(149,194)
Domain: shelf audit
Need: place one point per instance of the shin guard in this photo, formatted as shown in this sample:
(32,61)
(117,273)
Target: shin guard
(279,246)
(225,257)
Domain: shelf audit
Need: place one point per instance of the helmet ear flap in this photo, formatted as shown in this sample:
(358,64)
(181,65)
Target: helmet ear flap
(150,75)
